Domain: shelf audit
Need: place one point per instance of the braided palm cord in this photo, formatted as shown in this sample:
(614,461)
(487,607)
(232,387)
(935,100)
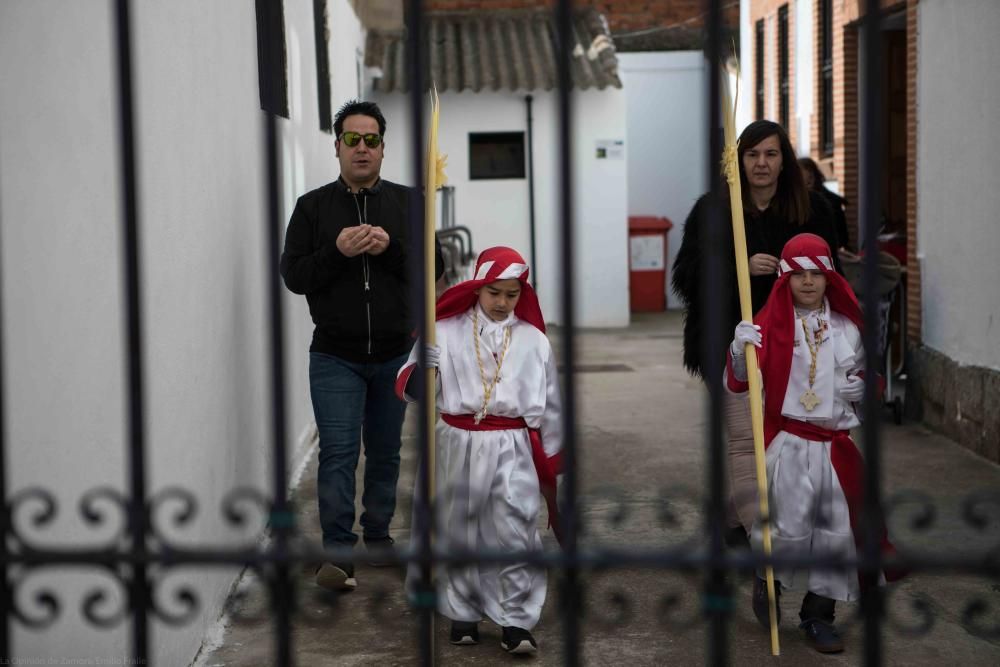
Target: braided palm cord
(488,387)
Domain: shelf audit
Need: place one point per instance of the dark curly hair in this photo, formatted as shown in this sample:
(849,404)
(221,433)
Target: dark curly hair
(356,108)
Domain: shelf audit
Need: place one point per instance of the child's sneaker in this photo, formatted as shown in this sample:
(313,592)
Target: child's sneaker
(464,633)
(517,640)
(760,609)
(823,636)
(337,577)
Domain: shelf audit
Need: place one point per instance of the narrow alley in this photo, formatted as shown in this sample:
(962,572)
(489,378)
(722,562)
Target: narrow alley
(643,460)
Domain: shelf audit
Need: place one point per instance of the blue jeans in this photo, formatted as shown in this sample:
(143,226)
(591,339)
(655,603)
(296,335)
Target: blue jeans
(347,396)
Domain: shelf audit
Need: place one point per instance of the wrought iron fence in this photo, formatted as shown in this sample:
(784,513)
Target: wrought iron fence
(141,551)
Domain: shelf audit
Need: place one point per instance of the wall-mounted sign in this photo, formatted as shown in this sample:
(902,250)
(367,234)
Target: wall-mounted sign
(646,253)
(610,149)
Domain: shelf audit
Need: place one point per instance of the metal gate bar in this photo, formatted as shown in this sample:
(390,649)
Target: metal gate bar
(282,518)
(5,588)
(570,598)
(717,597)
(138,515)
(872,595)
(423,523)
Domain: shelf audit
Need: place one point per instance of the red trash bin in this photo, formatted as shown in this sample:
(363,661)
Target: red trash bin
(647,276)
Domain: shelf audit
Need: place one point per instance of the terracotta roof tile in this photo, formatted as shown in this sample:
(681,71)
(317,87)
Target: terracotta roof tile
(499,50)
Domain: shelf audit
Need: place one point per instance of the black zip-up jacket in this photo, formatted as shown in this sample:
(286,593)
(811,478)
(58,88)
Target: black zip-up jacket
(360,305)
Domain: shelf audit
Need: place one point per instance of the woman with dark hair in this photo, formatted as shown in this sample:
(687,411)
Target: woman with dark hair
(814,180)
(776,206)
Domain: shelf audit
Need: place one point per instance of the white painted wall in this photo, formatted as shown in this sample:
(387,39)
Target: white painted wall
(497,211)
(203,268)
(667,117)
(804,72)
(957,199)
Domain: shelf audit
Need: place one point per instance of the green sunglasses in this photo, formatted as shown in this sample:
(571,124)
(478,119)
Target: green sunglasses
(352,139)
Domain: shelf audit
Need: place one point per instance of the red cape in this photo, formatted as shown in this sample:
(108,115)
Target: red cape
(777,322)
(493,264)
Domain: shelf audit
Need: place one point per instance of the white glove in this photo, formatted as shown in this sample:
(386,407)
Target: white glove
(854,390)
(746,332)
(433,354)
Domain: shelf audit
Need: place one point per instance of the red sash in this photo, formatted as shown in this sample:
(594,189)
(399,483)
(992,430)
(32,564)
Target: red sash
(545,467)
(850,469)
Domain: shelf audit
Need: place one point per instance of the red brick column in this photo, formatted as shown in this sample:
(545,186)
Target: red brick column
(814,147)
(793,118)
(845,119)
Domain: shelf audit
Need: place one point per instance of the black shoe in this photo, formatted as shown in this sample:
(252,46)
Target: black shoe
(823,636)
(380,551)
(760,601)
(737,538)
(338,577)
(464,633)
(517,640)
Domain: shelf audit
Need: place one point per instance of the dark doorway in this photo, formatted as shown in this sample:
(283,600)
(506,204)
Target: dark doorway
(894,123)
(895,157)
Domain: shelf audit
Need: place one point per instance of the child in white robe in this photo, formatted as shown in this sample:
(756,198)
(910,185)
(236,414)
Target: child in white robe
(812,360)
(498,445)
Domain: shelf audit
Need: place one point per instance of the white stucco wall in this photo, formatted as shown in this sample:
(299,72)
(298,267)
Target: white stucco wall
(497,210)
(203,268)
(667,117)
(802,72)
(958,241)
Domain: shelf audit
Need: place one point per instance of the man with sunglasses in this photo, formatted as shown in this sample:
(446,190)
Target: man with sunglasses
(346,250)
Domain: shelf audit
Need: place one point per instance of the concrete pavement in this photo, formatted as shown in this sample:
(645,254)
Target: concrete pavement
(641,452)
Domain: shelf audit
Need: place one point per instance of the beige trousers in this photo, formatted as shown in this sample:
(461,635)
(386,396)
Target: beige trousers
(743,503)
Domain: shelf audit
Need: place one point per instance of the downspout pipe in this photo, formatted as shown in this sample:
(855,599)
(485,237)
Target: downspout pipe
(531,189)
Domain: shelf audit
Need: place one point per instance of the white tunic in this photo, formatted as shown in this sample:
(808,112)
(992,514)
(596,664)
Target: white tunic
(487,488)
(841,352)
(809,513)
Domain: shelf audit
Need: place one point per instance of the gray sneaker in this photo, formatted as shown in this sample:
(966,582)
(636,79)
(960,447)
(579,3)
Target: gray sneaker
(337,577)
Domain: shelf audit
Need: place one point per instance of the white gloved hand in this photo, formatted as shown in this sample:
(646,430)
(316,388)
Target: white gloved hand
(854,390)
(746,332)
(433,354)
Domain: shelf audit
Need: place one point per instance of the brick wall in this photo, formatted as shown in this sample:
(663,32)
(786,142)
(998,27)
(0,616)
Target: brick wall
(845,118)
(817,52)
(845,161)
(768,11)
(844,165)
(793,130)
(771,101)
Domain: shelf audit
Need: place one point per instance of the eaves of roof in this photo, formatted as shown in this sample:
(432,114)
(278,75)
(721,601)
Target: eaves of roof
(513,50)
